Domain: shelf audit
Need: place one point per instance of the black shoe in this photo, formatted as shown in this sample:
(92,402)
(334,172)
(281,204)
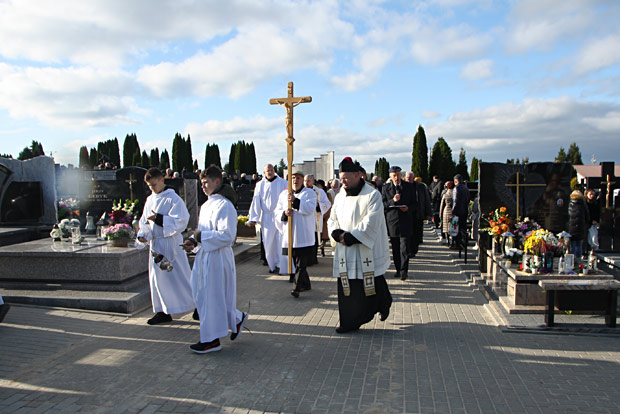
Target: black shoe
(340,329)
(384,315)
(295,293)
(322,252)
(291,279)
(3,310)
(265,263)
(397,274)
(403,276)
(275,270)
(240,325)
(195,315)
(159,317)
(205,347)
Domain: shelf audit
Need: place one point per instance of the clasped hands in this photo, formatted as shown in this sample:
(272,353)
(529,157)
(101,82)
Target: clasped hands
(396,199)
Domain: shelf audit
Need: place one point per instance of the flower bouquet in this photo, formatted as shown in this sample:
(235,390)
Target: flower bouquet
(120,230)
(498,222)
(67,208)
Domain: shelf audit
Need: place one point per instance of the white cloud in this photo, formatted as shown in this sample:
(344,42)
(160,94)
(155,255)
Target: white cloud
(539,24)
(234,129)
(70,97)
(608,122)
(386,120)
(456,43)
(598,54)
(480,69)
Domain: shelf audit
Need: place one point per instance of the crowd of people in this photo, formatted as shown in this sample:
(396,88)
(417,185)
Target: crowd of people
(359,218)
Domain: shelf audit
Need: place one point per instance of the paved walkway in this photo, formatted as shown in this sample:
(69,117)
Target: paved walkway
(440,351)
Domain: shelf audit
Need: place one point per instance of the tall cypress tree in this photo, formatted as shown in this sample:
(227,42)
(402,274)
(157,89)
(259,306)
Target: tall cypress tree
(461,167)
(252,159)
(419,156)
(441,162)
(473,175)
(145,162)
(189,158)
(164,160)
(382,167)
(154,157)
(212,156)
(129,149)
(84,160)
(177,152)
(561,156)
(239,154)
(231,158)
(114,151)
(137,158)
(93,157)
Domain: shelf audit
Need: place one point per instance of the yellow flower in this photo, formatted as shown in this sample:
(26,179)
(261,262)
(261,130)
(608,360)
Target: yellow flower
(502,209)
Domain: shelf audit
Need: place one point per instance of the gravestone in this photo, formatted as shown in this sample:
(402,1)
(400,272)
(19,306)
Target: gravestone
(28,191)
(245,194)
(543,190)
(100,189)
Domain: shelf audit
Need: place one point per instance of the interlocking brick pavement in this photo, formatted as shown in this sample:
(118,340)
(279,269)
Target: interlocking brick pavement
(440,351)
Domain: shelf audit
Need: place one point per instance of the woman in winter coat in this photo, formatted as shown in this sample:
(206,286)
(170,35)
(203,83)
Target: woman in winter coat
(445,210)
(578,219)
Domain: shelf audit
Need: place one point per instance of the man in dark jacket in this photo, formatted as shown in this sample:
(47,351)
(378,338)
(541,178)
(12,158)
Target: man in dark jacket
(399,204)
(436,188)
(423,211)
(460,209)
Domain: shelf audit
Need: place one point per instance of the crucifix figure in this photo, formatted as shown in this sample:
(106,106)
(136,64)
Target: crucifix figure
(519,185)
(131,181)
(289,103)
(608,183)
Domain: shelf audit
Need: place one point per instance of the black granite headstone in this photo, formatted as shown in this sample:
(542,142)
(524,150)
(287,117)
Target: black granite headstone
(245,193)
(544,190)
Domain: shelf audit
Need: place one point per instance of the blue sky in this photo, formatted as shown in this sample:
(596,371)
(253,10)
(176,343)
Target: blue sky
(501,79)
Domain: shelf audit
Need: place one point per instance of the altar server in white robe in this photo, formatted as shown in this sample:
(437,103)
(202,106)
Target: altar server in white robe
(302,215)
(362,254)
(214,277)
(262,210)
(4,308)
(163,220)
(322,206)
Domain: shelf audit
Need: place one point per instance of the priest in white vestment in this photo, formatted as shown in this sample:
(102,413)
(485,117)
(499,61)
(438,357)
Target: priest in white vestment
(214,276)
(262,210)
(362,254)
(302,215)
(163,220)
(322,206)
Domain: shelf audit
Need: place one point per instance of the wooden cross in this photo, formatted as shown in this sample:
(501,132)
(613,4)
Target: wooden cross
(289,103)
(131,181)
(608,183)
(519,185)
(367,262)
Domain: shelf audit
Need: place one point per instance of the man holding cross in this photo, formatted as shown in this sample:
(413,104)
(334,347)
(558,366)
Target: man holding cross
(361,255)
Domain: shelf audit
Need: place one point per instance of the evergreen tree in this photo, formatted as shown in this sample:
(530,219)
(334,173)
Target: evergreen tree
(461,167)
(251,159)
(177,152)
(561,156)
(137,158)
(419,156)
(129,149)
(212,156)
(382,168)
(189,158)
(114,152)
(574,155)
(6,156)
(145,162)
(195,165)
(239,156)
(473,175)
(231,158)
(154,157)
(281,167)
(93,157)
(441,162)
(164,161)
(35,149)
(84,160)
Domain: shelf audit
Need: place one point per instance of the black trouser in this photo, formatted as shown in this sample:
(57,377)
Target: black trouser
(461,237)
(400,254)
(301,255)
(417,235)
